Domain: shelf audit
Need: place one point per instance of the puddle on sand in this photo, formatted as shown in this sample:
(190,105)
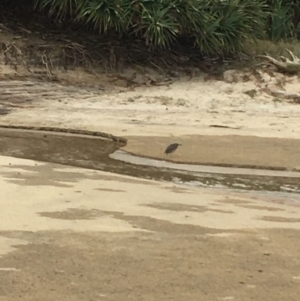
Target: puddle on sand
(129,158)
(100,154)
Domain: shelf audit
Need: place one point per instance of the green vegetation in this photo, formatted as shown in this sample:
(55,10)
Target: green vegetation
(213,26)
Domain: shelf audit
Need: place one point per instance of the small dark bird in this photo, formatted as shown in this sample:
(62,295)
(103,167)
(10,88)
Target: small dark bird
(171,148)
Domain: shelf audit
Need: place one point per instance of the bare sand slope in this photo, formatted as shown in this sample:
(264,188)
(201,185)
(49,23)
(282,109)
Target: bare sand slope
(185,107)
(75,234)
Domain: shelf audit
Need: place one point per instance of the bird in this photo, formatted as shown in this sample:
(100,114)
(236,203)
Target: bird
(171,148)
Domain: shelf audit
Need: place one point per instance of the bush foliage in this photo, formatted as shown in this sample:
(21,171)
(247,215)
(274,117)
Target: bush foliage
(214,26)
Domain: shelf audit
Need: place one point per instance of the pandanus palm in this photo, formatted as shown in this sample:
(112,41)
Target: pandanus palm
(215,26)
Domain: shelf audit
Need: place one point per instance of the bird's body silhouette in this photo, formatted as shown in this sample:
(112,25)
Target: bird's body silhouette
(171,148)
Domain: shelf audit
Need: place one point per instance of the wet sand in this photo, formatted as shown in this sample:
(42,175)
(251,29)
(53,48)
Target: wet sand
(75,234)
(229,150)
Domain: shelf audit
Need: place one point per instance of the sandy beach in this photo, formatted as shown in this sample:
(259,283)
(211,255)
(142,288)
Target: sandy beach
(71,233)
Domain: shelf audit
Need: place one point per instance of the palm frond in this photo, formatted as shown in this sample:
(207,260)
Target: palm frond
(215,26)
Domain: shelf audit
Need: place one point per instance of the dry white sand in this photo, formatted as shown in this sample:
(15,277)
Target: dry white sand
(184,107)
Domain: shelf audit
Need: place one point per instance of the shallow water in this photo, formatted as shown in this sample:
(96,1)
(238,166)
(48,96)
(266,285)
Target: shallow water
(100,154)
(126,157)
